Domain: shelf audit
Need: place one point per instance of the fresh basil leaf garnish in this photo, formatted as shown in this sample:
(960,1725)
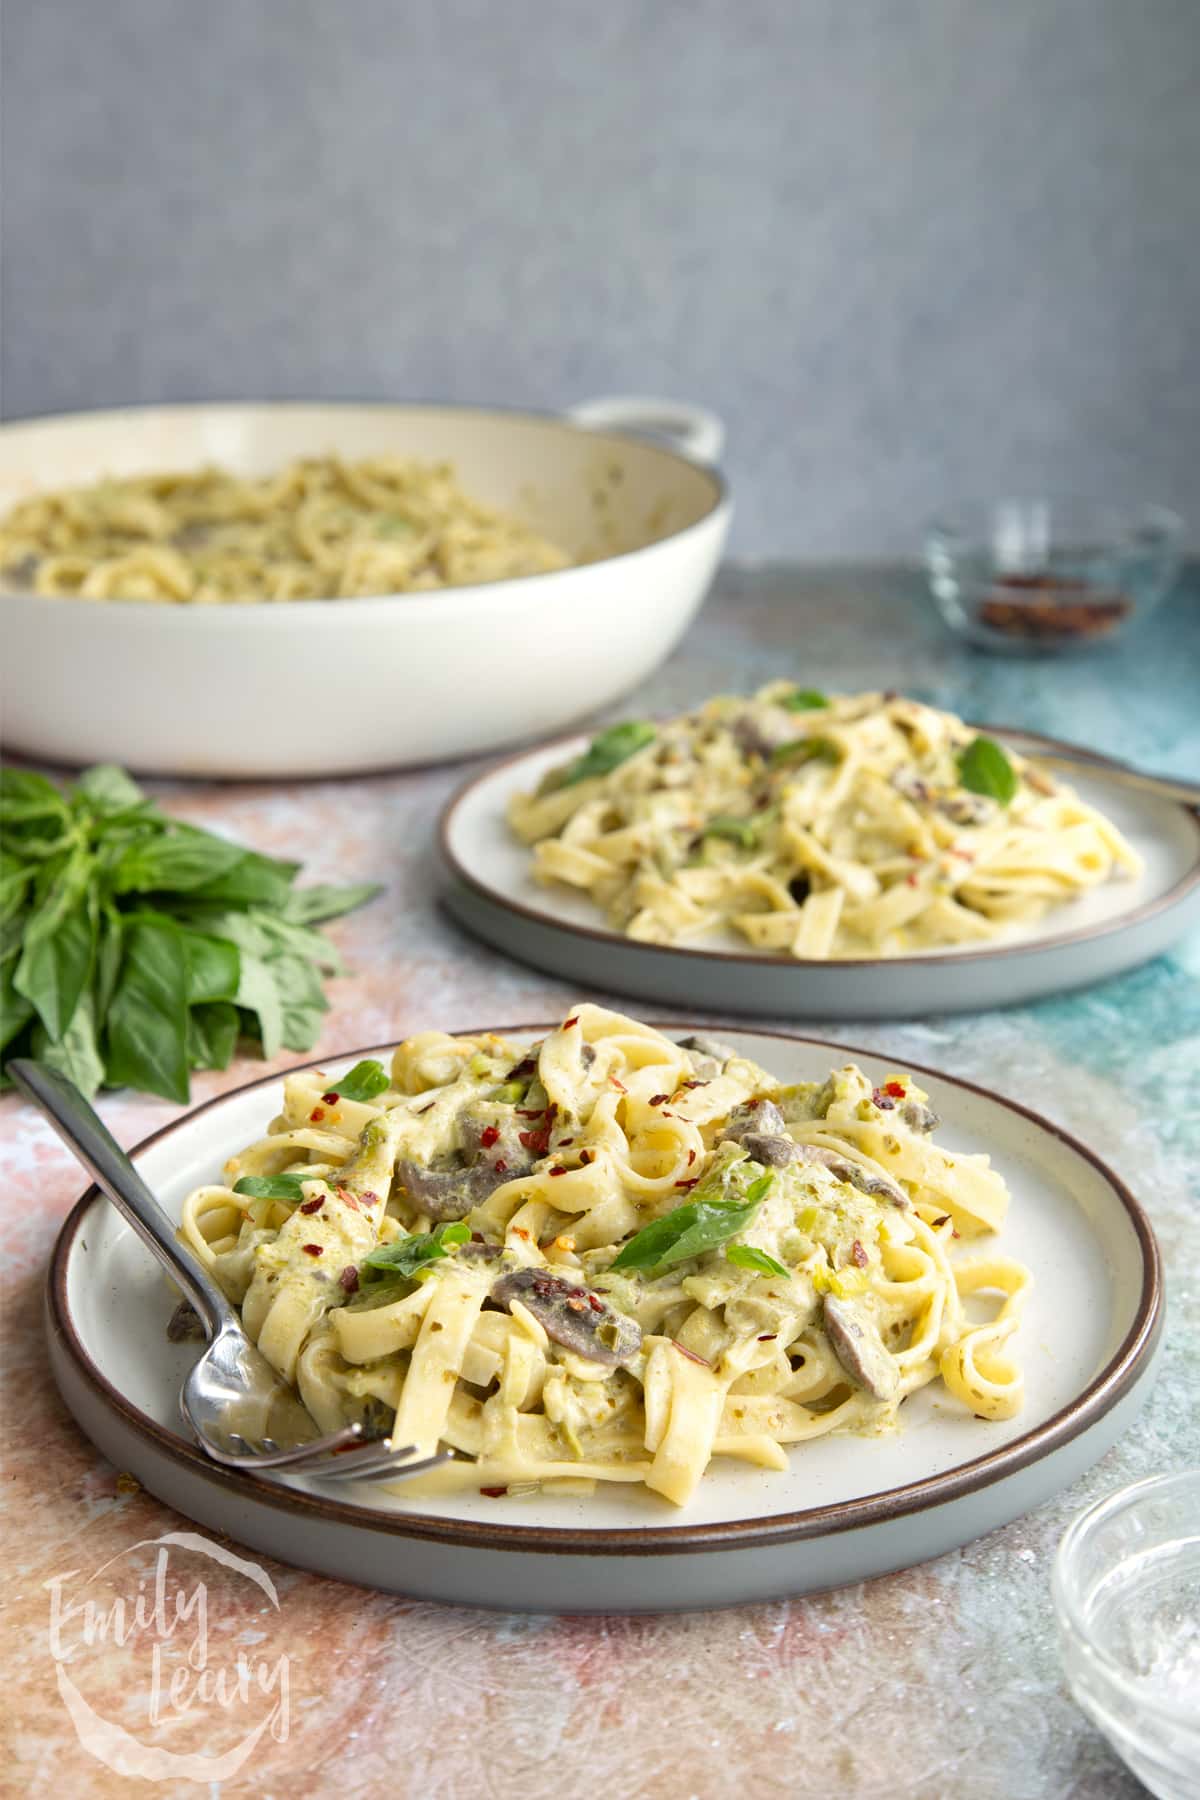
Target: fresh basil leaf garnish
(747,1256)
(410,1257)
(272,1187)
(690,1230)
(803,750)
(984,768)
(608,751)
(743,832)
(697,1226)
(363,1082)
(805,700)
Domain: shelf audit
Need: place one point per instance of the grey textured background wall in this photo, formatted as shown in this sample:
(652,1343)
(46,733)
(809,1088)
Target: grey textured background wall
(907,247)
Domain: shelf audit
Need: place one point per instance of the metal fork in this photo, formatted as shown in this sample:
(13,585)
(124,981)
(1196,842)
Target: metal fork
(230,1395)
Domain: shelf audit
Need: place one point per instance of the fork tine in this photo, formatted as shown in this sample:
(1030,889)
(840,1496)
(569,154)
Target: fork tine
(387,1469)
(373,1467)
(350,1463)
(252,1457)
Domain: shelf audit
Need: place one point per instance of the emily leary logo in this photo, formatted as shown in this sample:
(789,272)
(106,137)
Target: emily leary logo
(165,1671)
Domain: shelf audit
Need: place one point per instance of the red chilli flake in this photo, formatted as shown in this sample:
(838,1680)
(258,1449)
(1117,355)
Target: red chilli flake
(691,1354)
(585,1157)
(767,1337)
(489,1135)
(896,1089)
(317,1114)
(619,1085)
(557,1170)
(858,1255)
(659,1099)
(500,1167)
(911,878)
(688,1185)
(691,1157)
(493,1493)
(313,1206)
(693,1084)
(348,1279)
(944,1220)
(595,1302)
(312,1249)
(567,1023)
(331,1099)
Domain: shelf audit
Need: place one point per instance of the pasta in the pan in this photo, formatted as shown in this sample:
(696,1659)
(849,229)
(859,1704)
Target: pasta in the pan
(608,1256)
(319,529)
(858,825)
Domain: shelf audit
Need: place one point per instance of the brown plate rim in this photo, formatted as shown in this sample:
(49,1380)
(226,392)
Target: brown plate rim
(1149,909)
(1119,1374)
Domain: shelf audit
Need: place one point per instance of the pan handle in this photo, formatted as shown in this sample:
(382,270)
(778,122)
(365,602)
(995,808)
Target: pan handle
(694,431)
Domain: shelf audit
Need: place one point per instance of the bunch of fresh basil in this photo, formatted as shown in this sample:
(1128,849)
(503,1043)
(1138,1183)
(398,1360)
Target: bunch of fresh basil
(135,948)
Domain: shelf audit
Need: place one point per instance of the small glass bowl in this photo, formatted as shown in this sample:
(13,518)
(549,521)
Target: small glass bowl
(1030,576)
(1127,1594)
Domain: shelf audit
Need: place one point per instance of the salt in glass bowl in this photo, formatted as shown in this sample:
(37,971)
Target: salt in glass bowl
(1126,1590)
(1030,576)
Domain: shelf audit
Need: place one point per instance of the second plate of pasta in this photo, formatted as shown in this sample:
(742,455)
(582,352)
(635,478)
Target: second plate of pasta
(792,854)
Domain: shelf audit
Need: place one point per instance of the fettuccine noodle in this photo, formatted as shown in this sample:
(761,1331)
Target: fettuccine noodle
(319,529)
(814,827)
(611,1256)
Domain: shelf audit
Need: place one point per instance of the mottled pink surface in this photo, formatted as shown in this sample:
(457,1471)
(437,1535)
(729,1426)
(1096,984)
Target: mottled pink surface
(941,1681)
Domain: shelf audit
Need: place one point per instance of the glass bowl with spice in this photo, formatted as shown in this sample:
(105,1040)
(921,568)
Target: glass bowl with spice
(1031,576)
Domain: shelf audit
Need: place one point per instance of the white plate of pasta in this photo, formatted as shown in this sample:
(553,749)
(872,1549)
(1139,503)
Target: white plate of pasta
(703,1319)
(792,853)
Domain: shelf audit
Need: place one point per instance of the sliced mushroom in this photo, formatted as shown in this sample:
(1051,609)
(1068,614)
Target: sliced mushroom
(758,733)
(479,1253)
(453,1192)
(918,1117)
(505,1147)
(762,1117)
(445,1194)
(761,1129)
(771,1149)
(574,1317)
(185,1323)
(967,809)
(707,1056)
(859,1348)
(880,1187)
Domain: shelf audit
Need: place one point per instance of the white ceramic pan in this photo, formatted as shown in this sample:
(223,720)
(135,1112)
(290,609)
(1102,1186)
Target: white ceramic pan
(330,687)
